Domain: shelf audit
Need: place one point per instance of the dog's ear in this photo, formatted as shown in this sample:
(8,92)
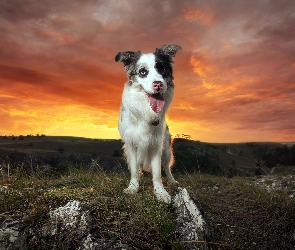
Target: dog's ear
(127,57)
(168,50)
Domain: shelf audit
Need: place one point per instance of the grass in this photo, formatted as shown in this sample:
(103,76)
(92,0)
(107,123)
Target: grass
(244,216)
(240,215)
(135,220)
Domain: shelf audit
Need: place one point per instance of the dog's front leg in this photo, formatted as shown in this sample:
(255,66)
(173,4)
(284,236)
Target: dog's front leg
(134,170)
(159,189)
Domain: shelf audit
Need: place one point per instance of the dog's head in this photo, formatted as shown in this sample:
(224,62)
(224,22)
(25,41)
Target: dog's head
(150,73)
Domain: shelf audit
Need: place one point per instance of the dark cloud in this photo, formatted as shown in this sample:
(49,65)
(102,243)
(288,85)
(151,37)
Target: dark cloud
(281,32)
(19,74)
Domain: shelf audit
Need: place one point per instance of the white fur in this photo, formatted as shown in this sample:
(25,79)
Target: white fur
(146,146)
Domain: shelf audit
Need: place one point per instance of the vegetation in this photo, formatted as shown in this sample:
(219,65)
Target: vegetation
(244,216)
(272,157)
(133,219)
(241,216)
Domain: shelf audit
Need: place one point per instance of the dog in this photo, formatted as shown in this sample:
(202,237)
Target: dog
(142,126)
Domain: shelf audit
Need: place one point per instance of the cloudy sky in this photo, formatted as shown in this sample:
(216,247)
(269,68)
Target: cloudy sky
(234,78)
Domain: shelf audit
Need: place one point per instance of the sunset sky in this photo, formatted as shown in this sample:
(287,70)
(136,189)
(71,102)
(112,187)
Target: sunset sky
(234,77)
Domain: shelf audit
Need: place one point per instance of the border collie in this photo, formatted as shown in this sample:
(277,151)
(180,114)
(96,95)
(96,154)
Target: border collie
(142,126)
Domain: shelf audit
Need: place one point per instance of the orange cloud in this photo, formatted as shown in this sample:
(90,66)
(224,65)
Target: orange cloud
(200,66)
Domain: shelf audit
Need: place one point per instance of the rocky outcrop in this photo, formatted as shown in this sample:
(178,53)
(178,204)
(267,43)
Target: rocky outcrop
(71,226)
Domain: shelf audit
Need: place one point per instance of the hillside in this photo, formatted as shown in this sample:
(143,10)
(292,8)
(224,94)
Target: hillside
(60,152)
(232,158)
(216,158)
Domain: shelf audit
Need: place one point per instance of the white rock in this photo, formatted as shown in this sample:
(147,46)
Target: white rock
(190,222)
(70,216)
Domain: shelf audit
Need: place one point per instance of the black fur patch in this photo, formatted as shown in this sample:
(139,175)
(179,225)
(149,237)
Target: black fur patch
(163,65)
(164,57)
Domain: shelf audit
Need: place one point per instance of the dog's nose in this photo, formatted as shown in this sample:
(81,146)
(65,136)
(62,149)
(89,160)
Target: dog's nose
(157,85)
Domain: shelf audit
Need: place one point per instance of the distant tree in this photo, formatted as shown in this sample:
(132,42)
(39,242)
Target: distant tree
(21,137)
(188,137)
(183,136)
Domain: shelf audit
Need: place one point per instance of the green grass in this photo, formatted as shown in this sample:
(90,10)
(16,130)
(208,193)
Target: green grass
(240,215)
(116,216)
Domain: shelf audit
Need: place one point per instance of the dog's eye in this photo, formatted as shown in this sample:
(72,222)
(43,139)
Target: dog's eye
(143,72)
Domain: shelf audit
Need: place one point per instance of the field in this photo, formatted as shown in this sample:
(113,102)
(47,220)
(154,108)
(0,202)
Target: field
(242,211)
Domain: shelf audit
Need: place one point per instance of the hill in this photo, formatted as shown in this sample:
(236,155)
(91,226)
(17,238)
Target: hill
(232,158)
(59,152)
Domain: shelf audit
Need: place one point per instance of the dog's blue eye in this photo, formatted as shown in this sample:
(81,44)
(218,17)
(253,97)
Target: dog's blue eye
(143,72)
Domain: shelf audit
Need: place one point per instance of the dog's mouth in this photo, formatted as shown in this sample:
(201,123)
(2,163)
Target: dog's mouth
(156,101)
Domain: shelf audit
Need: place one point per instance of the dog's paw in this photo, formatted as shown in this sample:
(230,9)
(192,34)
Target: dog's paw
(162,195)
(131,190)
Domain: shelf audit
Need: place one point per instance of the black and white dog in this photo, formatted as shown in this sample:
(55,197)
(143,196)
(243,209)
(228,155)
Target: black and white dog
(142,126)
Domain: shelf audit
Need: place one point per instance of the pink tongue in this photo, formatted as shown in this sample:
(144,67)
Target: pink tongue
(156,102)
